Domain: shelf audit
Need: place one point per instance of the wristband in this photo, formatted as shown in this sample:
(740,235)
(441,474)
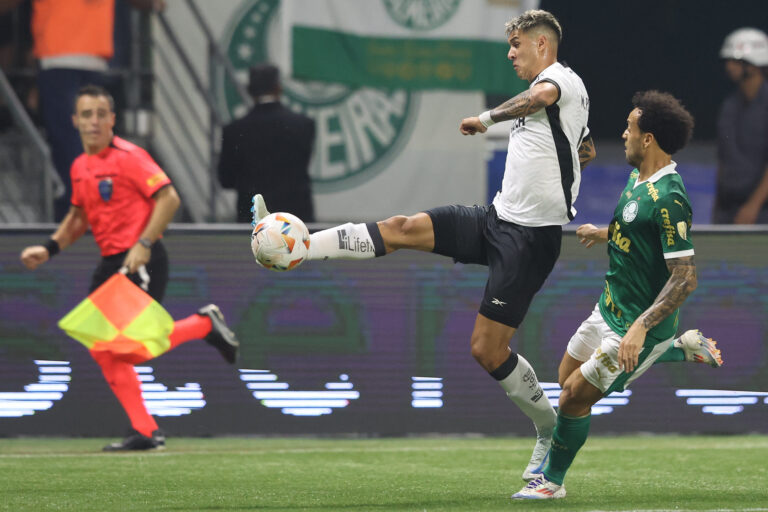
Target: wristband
(145,242)
(485,118)
(52,246)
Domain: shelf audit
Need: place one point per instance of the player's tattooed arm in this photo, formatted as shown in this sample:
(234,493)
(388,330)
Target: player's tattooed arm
(587,151)
(527,102)
(680,285)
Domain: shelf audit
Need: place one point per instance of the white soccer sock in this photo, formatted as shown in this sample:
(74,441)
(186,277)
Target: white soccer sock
(348,241)
(523,388)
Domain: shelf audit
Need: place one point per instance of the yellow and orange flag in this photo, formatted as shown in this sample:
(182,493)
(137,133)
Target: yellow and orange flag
(121,318)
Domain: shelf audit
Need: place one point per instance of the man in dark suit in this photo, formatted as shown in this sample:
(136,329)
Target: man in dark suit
(268,151)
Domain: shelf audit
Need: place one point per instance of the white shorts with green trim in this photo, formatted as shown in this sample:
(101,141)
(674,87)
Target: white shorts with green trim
(602,368)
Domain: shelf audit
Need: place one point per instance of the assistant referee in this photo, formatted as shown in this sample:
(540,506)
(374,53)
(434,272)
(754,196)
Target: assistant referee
(128,201)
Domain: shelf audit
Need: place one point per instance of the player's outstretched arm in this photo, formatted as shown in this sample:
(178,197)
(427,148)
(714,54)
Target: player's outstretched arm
(681,283)
(541,95)
(71,228)
(589,235)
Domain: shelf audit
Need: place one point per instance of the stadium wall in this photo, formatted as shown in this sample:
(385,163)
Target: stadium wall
(367,348)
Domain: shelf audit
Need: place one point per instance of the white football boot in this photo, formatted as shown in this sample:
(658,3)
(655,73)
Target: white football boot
(540,489)
(539,457)
(699,349)
(259,208)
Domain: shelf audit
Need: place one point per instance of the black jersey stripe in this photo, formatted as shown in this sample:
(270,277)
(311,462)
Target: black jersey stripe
(564,158)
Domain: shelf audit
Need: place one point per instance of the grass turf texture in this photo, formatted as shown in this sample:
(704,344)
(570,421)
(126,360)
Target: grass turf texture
(414,474)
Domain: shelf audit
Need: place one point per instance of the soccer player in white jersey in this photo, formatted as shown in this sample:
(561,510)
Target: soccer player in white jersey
(518,236)
(652,271)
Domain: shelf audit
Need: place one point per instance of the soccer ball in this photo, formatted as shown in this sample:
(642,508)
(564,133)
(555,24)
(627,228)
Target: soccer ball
(280,242)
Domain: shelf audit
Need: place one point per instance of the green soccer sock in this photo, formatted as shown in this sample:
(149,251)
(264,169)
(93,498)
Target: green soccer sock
(672,354)
(570,434)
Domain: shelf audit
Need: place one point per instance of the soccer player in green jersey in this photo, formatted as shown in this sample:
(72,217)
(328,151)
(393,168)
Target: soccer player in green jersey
(651,273)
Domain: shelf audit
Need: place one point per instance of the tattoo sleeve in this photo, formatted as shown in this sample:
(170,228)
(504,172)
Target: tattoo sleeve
(519,106)
(586,151)
(680,285)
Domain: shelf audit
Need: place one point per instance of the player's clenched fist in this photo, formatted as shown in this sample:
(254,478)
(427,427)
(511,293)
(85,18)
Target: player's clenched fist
(34,256)
(471,126)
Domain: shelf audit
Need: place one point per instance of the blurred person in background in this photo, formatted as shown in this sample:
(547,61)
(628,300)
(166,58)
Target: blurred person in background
(268,151)
(127,201)
(73,42)
(742,132)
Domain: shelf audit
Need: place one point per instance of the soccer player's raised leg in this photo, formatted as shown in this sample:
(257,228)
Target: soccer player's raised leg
(692,346)
(364,240)
(369,240)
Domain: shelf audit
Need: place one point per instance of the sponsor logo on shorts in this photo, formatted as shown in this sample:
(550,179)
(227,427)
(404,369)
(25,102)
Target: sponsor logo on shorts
(498,302)
(353,244)
(605,360)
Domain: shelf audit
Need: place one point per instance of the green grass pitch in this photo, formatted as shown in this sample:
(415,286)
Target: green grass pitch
(649,473)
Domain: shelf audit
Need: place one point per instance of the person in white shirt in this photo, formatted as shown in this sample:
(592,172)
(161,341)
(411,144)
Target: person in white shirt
(518,236)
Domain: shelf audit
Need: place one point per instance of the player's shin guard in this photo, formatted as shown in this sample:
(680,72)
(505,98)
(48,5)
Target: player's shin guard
(348,241)
(517,378)
(570,435)
(124,382)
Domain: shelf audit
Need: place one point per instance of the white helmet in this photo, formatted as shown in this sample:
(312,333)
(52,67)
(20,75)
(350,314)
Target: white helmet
(748,44)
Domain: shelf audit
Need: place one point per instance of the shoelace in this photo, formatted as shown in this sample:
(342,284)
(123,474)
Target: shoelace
(535,483)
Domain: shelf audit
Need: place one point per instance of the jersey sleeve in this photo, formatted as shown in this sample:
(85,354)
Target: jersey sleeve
(146,175)
(548,76)
(77,189)
(674,216)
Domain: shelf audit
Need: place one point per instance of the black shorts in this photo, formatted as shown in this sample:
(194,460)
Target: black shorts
(518,258)
(154,281)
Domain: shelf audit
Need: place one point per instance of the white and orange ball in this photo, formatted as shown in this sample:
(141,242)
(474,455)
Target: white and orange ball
(280,242)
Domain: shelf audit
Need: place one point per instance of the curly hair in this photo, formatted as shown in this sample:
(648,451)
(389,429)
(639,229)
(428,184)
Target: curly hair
(535,18)
(665,117)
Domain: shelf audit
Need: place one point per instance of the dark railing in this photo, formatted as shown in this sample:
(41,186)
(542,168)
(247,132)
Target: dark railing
(51,184)
(205,92)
